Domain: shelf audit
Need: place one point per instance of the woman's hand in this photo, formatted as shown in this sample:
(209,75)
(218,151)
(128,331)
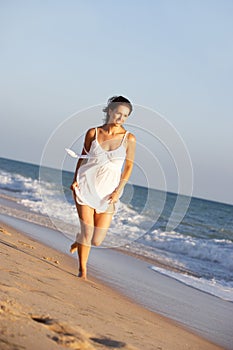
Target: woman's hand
(74,185)
(114,196)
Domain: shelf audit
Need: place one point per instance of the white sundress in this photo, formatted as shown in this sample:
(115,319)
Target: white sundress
(100,175)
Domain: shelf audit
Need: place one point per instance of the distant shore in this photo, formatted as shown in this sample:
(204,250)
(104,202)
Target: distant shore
(45,306)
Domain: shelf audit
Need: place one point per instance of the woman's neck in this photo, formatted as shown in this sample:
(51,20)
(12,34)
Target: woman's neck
(112,129)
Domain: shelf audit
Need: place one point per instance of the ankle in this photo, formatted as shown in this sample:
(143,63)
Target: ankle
(82,273)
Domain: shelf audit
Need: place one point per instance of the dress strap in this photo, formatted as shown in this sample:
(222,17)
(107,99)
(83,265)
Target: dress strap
(123,140)
(96,133)
(85,149)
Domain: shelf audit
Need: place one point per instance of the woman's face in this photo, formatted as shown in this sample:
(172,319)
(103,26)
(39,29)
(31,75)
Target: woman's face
(118,115)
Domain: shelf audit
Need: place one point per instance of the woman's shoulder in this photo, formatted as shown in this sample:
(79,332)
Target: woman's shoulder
(91,132)
(131,137)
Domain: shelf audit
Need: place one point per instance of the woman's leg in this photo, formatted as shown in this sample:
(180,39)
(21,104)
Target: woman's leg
(102,221)
(83,240)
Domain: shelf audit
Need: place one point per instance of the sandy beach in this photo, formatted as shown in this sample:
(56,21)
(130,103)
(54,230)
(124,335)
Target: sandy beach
(45,306)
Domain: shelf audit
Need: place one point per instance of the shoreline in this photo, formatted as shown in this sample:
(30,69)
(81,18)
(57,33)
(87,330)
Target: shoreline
(17,210)
(40,283)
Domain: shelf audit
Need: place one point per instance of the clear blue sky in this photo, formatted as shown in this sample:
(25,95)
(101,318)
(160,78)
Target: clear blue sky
(175,57)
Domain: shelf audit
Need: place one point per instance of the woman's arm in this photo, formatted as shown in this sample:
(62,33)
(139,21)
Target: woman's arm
(128,167)
(87,144)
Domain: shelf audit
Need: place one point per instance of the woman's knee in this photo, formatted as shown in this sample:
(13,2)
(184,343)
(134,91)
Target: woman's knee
(98,236)
(86,233)
(96,243)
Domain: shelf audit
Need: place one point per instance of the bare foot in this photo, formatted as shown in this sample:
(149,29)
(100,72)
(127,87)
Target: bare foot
(82,274)
(73,247)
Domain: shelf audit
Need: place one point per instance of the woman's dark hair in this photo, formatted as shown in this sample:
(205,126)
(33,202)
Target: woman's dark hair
(114,102)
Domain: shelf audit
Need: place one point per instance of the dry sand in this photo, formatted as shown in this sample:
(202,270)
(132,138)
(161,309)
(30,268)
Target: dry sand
(44,306)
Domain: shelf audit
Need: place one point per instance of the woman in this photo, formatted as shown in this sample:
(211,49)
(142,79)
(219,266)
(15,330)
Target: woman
(99,182)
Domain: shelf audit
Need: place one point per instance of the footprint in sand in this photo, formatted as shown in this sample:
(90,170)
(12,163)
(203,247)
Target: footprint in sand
(5,232)
(26,245)
(78,338)
(64,335)
(51,259)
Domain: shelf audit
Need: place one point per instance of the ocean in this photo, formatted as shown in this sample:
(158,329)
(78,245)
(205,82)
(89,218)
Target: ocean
(198,251)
